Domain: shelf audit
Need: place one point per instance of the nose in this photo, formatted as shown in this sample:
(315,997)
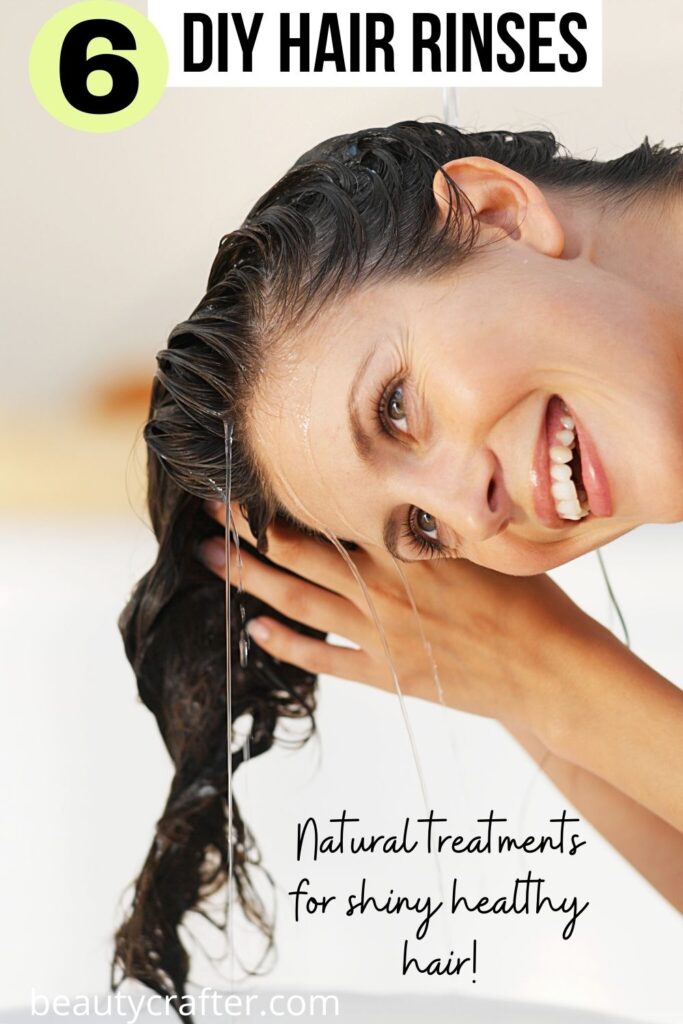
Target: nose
(469,497)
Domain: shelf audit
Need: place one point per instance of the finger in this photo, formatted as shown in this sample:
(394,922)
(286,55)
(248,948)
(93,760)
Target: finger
(296,598)
(315,559)
(216,509)
(240,522)
(305,652)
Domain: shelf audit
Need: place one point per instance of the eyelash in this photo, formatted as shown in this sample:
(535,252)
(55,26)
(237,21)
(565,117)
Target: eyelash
(419,544)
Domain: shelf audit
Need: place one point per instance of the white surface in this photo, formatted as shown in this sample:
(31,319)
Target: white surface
(85,777)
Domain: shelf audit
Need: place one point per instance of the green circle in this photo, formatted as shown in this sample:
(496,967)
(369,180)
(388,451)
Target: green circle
(149,58)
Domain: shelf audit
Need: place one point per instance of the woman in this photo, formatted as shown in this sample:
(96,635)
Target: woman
(463,352)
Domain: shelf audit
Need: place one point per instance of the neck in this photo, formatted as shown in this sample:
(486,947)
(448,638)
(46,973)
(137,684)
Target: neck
(640,241)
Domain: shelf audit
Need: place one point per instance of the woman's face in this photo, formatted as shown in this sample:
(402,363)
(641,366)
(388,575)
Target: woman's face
(415,414)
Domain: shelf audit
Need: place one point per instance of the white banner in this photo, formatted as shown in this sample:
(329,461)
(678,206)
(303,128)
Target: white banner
(370,43)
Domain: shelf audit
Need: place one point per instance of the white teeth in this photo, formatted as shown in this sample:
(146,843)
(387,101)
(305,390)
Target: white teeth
(564,490)
(559,453)
(568,502)
(560,471)
(569,509)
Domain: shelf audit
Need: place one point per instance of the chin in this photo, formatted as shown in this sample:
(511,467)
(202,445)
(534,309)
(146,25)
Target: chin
(673,513)
(528,558)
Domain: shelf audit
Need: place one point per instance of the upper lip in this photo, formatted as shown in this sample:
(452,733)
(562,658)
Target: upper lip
(592,471)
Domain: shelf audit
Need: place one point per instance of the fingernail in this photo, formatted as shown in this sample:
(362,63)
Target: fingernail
(257,629)
(212,553)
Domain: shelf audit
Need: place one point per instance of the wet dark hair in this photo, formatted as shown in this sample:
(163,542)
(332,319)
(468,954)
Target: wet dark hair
(357,208)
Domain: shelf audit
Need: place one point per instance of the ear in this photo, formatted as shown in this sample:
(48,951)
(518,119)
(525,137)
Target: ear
(504,201)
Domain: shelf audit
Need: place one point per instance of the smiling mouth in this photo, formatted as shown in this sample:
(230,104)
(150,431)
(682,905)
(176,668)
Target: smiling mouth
(564,463)
(568,480)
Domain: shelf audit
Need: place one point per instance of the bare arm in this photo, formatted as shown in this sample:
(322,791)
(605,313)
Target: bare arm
(619,720)
(652,846)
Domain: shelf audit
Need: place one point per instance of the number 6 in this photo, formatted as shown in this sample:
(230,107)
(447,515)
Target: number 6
(75,67)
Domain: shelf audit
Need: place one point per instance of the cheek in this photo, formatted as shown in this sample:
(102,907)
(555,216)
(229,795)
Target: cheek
(557,321)
(493,358)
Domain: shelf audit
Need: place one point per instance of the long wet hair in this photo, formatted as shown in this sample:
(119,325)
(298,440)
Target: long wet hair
(357,208)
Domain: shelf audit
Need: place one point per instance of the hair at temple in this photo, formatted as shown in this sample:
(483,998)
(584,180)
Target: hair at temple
(355,208)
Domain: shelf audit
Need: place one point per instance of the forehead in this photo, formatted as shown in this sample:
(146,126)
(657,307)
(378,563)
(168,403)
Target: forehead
(299,416)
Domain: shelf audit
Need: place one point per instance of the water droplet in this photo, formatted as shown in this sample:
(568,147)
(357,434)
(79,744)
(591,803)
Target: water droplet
(244,648)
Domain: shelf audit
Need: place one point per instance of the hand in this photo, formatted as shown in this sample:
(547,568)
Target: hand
(499,643)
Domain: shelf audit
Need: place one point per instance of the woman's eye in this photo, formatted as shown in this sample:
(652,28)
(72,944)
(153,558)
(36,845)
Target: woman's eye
(426,524)
(396,411)
(422,533)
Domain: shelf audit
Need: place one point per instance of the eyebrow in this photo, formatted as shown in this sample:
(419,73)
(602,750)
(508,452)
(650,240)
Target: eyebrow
(363,444)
